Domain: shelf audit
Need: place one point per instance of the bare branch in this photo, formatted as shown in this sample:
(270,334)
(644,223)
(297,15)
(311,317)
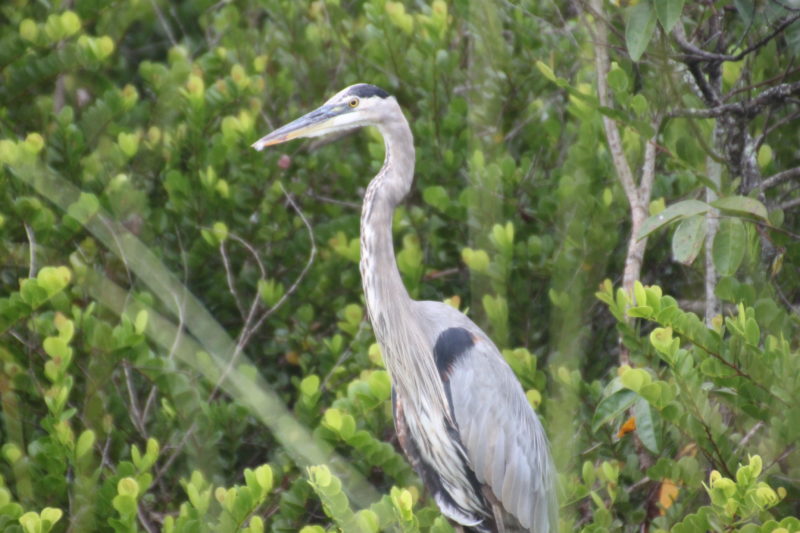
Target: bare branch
(693,53)
(229,277)
(311,256)
(253,252)
(334,201)
(31,250)
(780,177)
(794,202)
(746,108)
(174,455)
(163,21)
(250,328)
(135,413)
(621,165)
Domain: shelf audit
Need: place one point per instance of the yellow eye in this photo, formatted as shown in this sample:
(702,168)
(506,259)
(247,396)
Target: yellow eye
(353,102)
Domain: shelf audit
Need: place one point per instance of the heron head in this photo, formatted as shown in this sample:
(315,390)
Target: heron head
(356,106)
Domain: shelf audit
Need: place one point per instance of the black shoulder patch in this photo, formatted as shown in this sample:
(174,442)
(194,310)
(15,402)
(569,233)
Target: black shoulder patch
(365,90)
(451,344)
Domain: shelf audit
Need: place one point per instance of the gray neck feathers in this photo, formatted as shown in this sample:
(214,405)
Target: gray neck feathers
(383,286)
(406,350)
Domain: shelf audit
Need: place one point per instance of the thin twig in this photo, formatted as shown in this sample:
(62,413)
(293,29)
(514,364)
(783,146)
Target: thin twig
(342,358)
(441,273)
(778,178)
(135,413)
(31,251)
(334,201)
(174,455)
(229,277)
(748,108)
(144,520)
(694,53)
(774,126)
(163,21)
(311,256)
(794,202)
(749,435)
(250,327)
(253,252)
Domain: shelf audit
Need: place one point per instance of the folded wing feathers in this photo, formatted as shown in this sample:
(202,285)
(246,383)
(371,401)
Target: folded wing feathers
(508,450)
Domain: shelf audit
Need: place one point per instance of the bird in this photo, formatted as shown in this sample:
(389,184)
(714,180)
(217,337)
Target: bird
(460,414)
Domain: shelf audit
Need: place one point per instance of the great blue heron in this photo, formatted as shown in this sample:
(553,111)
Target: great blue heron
(460,414)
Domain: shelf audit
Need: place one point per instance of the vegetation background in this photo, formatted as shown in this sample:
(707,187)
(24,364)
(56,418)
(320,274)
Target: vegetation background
(610,188)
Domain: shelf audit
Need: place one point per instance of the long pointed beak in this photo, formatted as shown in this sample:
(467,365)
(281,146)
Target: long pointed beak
(309,125)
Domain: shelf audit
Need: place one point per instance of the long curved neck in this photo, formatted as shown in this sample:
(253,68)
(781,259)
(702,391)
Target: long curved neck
(383,287)
(406,351)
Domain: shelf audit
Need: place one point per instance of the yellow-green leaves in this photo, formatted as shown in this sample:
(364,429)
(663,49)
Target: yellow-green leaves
(54,279)
(34,143)
(502,237)
(349,248)
(216,234)
(399,17)
(476,260)
(28,30)
(744,498)
(271,291)
(96,49)
(57,27)
(125,502)
(129,143)
(634,378)
(352,315)
(195,89)
(43,522)
(85,207)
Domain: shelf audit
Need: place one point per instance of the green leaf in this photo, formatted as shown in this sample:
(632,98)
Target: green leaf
(436,196)
(634,378)
(639,27)
(140,323)
(669,12)
(546,71)
(688,239)
(612,407)
(264,477)
(84,207)
(55,347)
(85,443)
(617,80)
(128,486)
(125,505)
(309,385)
(752,333)
(742,204)
(645,425)
(54,279)
(729,246)
(31,523)
(684,209)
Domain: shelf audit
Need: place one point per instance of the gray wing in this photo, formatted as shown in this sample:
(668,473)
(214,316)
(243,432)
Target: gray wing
(502,435)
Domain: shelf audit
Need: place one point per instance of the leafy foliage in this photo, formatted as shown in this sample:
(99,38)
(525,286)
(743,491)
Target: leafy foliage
(183,342)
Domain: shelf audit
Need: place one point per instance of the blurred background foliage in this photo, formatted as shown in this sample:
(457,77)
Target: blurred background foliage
(184,345)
